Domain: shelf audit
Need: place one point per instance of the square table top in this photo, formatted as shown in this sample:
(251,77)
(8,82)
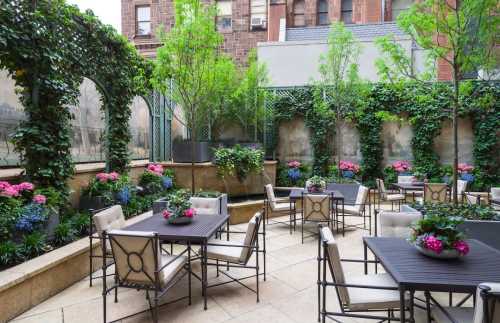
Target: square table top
(296,193)
(417,186)
(411,269)
(202,228)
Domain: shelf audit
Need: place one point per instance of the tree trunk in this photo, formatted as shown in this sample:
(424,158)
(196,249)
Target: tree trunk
(193,144)
(455,133)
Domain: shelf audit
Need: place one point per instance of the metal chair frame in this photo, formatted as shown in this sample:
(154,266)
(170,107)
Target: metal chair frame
(329,218)
(363,212)
(94,236)
(291,212)
(155,283)
(379,183)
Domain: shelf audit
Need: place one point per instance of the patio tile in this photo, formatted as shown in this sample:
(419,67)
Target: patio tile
(54,316)
(264,314)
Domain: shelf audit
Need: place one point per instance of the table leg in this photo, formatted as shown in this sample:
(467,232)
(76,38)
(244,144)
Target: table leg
(428,305)
(365,249)
(204,275)
(402,304)
(412,306)
(343,219)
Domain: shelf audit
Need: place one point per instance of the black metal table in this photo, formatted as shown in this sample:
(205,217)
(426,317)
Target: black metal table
(296,194)
(413,271)
(409,187)
(199,231)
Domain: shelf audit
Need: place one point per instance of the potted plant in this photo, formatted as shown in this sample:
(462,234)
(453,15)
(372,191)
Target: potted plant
(179,210)
(349,169)
(293,171)
(439,237)
(104,190)
(465,171)
(156,179)
(238,161)
(316,184)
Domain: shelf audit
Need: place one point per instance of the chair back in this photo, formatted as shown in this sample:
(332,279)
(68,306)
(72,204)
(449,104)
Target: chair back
(361,198)
(487,309)
(251,236)
(495,193)
(136,255)
(406,179)
(206,205)
(348,190)
(435,192)
(332,257)
(109,219)
(381,188)
(271,198)
(397,224)
(316,207)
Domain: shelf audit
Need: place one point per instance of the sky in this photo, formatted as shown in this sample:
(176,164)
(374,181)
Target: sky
(109,11)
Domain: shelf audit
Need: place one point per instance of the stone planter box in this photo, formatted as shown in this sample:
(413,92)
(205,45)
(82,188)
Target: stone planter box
(181,152)
(484,231)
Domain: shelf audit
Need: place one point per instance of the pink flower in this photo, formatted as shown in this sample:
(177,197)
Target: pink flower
(156,169)
(349,166)
(24,186)
(189,213)
(10,191)
(462,247)
(102,177)
(113,176)
(4,185)
(39,199)
(294,164)
(166,214)
(465,168)
(433,243)
(401,166)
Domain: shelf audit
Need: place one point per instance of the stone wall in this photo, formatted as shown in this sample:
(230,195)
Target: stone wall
(294,142)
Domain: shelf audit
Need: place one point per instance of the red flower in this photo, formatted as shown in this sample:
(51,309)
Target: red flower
(166,214)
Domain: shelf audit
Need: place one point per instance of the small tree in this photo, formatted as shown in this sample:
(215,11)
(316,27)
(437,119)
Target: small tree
(190,57)
(462,33)
(340,82)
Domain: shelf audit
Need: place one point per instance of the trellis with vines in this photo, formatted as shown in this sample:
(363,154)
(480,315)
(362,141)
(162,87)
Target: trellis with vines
(48,47)
(424,106)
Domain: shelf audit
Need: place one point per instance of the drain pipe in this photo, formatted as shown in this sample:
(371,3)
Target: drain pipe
(382,14)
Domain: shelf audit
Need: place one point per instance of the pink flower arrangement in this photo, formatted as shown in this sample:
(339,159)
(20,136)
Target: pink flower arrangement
(156,169)
(401,166)
(39,199)
(4,185)
(433,243)
(24,186)
(9,191)
(465,168)
(104,177)
(189,213)
(294,164)
(166,214)
(349,166)
(462,247)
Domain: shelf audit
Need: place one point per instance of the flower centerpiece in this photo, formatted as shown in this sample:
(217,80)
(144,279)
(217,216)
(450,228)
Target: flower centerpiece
(179,210)
(316,184)
(294,171)
(438,236)
(402,167)
(465,171)
(156,178)
(349,169)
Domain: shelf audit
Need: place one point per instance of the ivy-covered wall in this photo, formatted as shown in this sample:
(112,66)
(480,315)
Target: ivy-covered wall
(422,109)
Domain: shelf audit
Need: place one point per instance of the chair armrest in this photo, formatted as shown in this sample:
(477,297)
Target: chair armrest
(231,245)
(174,259)
(360,261)
(361,286)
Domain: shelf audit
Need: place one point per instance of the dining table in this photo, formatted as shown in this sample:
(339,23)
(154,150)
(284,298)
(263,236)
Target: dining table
(197,233)
(412,187)
(412,271)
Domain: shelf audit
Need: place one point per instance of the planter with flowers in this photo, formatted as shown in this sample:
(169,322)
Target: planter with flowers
(439,237)
(349,169)
(294,171)
(179,210)
(465,171)
(316,184)
(104,190)
(156,179)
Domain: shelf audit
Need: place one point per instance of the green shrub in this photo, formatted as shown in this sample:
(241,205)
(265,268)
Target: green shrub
(10,253)
(64,233)
(466,211)
(33,245)
(238,161)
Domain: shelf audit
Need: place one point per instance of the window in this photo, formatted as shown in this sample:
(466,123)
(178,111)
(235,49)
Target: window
(258,14)
(323,12)
(143,20)
(346,11)
(399,6)
(299,13)
(224,14)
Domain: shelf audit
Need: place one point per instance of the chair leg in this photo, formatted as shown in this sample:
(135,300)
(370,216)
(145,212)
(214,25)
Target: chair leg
(217,266)
(428,305)
(116,288)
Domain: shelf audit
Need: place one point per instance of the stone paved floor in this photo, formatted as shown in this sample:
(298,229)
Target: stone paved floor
(288,295)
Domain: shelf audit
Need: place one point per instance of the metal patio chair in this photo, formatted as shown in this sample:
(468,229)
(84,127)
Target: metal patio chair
(141,265)
(275,208)
(356,209)
(386,196)
(434,193)
(317,208)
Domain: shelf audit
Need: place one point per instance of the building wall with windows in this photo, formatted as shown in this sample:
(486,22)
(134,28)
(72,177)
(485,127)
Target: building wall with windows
(244,23)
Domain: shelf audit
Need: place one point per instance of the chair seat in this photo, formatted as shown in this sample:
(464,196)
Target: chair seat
(351,209)
(173,268)
(372,299)
(459,314)
(395,197)
(281,207)
(419,200)
(231,254)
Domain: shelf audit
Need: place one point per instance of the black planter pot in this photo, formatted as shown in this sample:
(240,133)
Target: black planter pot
(93,202)
(181,151)
(160,205)
(52,222)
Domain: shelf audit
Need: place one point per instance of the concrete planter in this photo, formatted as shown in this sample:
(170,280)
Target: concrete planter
(484,231)
(181,151)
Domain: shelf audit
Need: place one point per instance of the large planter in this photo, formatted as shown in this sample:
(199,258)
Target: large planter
(484,231)
(93,202)
(52,222)
(181,151)
(159,205)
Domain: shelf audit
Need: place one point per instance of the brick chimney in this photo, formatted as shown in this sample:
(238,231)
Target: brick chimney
(276,21)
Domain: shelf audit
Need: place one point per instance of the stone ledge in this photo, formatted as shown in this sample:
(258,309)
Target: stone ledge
(30,283)
(206,164)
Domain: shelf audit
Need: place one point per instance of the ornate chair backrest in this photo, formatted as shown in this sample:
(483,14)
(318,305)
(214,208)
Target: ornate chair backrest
(206,205)
(397,224)
(435,192)
(361,198)
(251,237)
(487,309)
(316,207)
(406,179)
(137,257)
(381,188)
(109,219)
(332,257)
(271,198)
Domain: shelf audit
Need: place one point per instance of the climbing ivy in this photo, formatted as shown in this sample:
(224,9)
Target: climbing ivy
(48,47)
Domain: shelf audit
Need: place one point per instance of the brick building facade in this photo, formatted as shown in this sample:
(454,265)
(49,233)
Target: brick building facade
(244,23)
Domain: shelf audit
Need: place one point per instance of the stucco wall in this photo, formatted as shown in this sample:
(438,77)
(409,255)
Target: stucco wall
(295,63)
